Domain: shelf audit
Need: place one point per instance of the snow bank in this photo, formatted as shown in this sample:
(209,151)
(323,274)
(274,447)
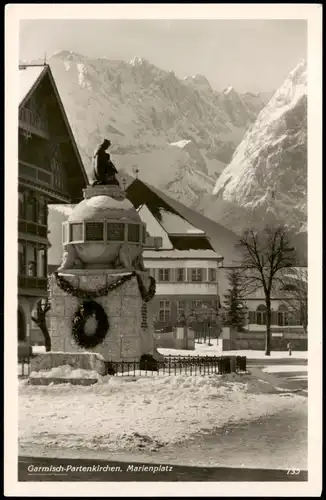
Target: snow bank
(65,371)
(124,413)
(285,368)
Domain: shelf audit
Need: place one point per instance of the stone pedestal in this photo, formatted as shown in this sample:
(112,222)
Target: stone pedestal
(228,338)
(127,338)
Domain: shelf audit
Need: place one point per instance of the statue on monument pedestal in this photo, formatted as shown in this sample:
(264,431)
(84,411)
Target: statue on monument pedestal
(104,172)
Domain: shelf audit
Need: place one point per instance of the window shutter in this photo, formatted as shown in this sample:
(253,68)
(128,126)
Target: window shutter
(189,274)
(274,318)
(204,276)
(252,317)
(172,274)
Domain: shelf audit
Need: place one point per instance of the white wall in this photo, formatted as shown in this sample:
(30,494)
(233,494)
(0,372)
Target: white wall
(183,263)
(189,288)
(154,228)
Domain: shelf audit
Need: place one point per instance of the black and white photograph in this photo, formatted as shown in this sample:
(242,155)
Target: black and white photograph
(156,324)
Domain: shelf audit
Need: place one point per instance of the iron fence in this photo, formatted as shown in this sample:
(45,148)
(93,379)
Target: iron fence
(176,365)
(170,365)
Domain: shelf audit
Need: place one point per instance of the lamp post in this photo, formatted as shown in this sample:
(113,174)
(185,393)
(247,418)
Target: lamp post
(183,321)
(209,332)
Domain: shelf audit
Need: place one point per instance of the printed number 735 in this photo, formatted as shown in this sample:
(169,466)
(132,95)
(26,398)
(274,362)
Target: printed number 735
(293,472)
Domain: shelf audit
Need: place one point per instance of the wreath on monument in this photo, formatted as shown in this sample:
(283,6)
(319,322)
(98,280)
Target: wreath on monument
(90,308)
(85,311)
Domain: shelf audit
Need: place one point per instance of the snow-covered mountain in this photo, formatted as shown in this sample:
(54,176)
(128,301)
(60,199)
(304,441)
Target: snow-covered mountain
(267,176)
(179,134)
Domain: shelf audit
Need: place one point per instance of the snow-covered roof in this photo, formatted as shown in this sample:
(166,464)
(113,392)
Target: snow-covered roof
(28,77)
(174,224)
(181,254)
(218,237)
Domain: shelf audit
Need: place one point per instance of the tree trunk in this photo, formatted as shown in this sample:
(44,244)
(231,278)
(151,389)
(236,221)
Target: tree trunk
(44,329)
(268,326)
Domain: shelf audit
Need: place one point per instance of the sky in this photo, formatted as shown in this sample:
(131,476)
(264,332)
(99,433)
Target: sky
(250,55)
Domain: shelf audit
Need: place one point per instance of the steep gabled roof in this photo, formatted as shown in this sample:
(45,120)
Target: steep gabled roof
(29,78)
(221,239)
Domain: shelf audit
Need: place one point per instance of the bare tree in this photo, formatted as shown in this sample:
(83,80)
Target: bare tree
(266,254)
(295,288)
(42,307)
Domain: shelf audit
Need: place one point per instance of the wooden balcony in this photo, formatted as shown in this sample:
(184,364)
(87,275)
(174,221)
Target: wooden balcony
(34,228)
(32,282)
(32,122)
(30,171)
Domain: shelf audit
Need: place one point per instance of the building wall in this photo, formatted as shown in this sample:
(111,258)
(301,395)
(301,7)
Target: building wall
(44,158)
(255,301)
(174,300)
(187,292)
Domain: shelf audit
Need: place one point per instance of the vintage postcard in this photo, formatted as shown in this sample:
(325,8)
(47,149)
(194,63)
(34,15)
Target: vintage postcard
(158,245)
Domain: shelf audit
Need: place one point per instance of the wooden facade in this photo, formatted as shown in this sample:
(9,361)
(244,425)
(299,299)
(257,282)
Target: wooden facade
(50,171)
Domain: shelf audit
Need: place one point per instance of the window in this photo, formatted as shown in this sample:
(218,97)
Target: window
(252,318)
(41,263)
(180,308)
(115,231)
(196,274)
(211,274)
(133,233)
(21,259)
(208,304)
(42,211)
(31,208)
(282,316)
(164,274)
(76,232)
(65,233)
(31,260)
(196,304)
(57,180)
(180,274)
(261,315)
(165,311)
(94,231)
(144,234)
(21,205)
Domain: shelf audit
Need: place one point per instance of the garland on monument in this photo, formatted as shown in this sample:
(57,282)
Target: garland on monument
(146,295)
(85,311)
(88,294)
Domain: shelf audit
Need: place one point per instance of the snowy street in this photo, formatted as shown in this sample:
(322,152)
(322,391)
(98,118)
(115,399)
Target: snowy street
(181,419)
(153,415)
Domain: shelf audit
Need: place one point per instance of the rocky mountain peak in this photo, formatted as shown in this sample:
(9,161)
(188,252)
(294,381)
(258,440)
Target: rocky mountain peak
(268,171)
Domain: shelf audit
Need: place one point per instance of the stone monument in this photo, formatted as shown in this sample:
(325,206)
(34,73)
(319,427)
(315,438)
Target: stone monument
(101,294)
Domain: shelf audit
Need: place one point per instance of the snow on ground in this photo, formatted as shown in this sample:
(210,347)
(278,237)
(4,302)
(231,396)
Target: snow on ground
(214,350)
(126,413)
(37,349)
(65,371)
(285,368)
